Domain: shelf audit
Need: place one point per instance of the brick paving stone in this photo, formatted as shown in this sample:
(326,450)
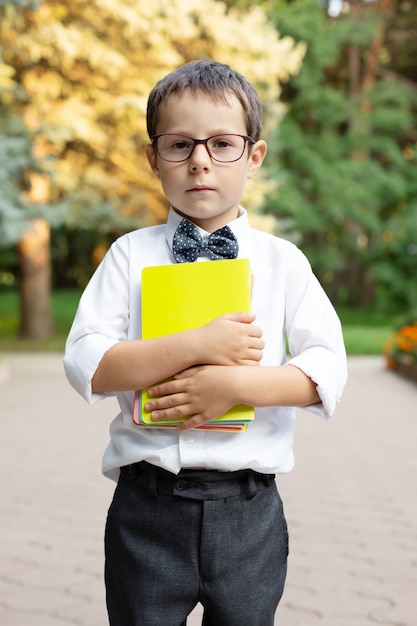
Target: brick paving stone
(24,618)
(351,503)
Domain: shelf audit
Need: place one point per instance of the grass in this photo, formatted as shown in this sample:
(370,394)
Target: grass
(365,332)
(64,305)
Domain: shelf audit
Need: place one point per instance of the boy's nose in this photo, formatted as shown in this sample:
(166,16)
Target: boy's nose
(200,157)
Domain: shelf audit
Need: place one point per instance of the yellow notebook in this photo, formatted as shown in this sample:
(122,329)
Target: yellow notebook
(185,296)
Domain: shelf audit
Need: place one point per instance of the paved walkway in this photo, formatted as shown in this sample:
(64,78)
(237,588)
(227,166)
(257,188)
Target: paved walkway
(351,503)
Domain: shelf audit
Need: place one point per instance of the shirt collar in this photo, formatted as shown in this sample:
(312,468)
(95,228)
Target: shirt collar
(239,226)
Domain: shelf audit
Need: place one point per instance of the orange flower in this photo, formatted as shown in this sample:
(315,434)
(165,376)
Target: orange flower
(401,345)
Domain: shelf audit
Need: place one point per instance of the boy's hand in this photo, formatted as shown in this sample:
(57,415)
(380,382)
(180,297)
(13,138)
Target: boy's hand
(230,340)
(204,393)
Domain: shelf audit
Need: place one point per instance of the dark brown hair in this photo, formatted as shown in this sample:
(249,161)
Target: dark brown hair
(217,80)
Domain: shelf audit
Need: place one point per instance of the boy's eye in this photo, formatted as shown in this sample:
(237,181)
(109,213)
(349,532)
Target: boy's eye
(226,143)
(180,144)
(221,143)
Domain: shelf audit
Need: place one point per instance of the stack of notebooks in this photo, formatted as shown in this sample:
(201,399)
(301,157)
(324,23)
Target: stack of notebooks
(185,296)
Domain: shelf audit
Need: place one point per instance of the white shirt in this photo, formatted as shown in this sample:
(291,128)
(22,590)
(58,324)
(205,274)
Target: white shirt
(288,301)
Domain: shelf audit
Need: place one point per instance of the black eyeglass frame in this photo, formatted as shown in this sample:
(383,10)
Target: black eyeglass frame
(246,139)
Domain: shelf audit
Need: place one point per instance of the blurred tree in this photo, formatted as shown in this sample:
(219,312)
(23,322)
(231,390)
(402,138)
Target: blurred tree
(84,71)
(346,151)
(20,186)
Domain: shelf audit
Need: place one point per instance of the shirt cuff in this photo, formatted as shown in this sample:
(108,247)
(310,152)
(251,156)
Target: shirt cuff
(81,361)
(329,371)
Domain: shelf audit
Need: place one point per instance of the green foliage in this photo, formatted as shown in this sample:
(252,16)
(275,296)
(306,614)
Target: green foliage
(76,253)
(346,162)
(341,166)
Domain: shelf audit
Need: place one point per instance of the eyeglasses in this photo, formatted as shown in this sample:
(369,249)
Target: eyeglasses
(222,148)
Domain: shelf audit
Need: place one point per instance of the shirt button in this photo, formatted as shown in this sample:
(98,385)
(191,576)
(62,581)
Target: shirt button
(189,439)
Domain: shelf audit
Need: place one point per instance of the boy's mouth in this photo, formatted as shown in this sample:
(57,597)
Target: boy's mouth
(199,188)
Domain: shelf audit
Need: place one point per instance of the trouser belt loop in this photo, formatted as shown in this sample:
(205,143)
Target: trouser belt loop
(267,479)
(250,485)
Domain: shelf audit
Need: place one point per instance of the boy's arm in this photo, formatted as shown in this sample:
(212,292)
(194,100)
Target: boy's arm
(205,393)
(134,364)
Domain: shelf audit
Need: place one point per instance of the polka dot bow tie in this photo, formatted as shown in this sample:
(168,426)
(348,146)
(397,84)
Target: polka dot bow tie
(187,243)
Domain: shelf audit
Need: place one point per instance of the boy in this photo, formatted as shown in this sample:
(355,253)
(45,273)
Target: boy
(196,515)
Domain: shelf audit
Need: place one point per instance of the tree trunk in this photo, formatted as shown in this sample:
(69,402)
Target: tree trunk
(35,282)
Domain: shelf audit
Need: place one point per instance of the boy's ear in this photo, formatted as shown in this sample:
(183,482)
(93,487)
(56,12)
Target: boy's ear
(256,157)
(151,156)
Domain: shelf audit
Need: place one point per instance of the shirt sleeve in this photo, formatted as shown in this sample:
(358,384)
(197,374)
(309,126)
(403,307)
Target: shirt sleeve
(315,336)
(101,321)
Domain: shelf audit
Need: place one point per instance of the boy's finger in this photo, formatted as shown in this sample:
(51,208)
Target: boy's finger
(240,316)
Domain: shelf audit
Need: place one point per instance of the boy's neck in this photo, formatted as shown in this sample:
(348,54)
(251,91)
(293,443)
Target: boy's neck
(209,225)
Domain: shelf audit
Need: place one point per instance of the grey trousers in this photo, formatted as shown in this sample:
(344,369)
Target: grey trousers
(202,536)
